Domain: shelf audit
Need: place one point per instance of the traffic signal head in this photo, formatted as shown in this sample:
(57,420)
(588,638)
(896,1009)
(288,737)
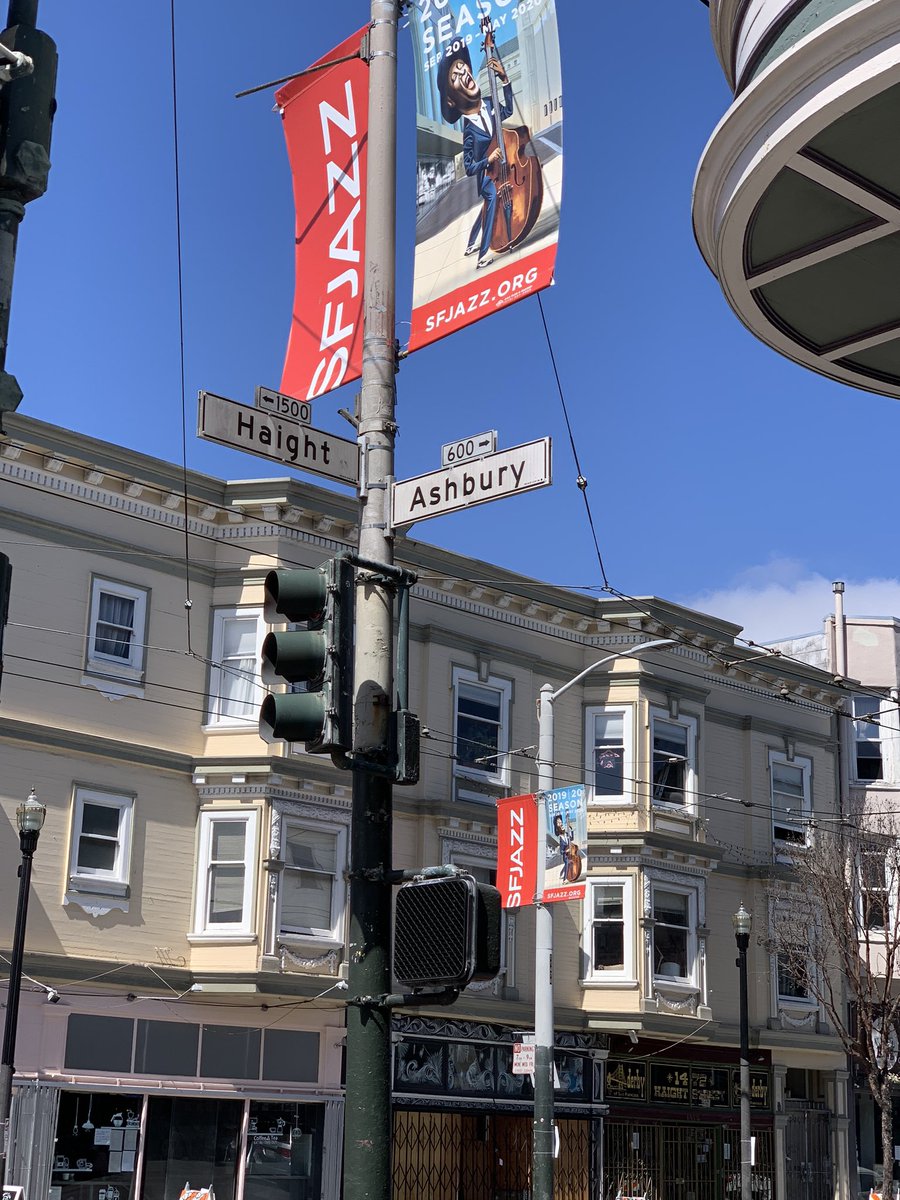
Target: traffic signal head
(446,932)
(320,655)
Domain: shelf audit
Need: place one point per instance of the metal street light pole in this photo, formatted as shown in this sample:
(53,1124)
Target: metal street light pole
(30,820)
(742,921)
(544,1133)
(367,1108)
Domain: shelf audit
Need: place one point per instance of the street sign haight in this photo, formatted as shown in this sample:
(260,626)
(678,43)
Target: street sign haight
(271,430)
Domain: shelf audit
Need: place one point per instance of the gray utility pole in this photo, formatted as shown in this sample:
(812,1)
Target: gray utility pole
(544,1147)
(367,1130)
(27,105)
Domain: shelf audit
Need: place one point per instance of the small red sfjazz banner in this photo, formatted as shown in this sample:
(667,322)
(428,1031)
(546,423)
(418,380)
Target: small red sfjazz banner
(325,117)
(517,837)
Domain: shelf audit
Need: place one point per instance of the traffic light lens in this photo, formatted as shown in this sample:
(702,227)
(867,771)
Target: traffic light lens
(293,717)
(295,656)
(299,595)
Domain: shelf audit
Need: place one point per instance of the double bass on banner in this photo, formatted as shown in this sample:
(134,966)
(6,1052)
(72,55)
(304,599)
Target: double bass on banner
(510,182)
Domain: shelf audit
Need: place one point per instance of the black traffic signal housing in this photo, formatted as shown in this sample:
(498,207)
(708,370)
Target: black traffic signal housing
(446,932)
(322,599)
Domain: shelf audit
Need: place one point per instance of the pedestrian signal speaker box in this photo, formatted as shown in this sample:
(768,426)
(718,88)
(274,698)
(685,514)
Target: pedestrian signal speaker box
(446,932)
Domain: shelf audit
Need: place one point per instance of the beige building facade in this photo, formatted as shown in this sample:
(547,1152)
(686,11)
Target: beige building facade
(189,904)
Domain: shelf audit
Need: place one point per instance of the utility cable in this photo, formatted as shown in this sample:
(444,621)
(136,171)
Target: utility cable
(178,242)
(581,481)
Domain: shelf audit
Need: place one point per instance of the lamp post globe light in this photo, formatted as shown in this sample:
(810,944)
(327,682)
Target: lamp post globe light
(544,1143)
(742,921)
(30,820)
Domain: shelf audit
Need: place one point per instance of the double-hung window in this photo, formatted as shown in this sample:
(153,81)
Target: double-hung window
(609,930)
(875,863)
(100,855)
(117,629)
(608,753)
(790,984)
(235,691)
(226,873)
(674,934)
(674,765)
(868,759)
(312,887)
(481,726)
(791,803)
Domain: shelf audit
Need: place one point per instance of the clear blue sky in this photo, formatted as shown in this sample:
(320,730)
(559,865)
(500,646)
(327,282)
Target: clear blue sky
(711,461)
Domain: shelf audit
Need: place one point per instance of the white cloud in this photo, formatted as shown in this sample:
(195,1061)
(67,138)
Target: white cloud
(782,599)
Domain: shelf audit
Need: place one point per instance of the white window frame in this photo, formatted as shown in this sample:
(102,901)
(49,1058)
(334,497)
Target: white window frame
(334,935)
(98,663)
(89,878)
(888,856)
(782,1000)
(499,773)
(627,711)
(691,784)
(801,823)
(203,928)
(594,978)
(215,718)
(692,944)
(882,741)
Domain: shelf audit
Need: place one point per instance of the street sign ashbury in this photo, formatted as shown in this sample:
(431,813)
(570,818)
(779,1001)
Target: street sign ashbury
(277,438)
(506,473)
(471,447)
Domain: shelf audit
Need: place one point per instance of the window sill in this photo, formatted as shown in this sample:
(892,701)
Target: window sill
(678,987)
(310,941)
(608,982)
(494,781)
(114,669)
(612,802)
(241,938)
(93,885)
(230,727)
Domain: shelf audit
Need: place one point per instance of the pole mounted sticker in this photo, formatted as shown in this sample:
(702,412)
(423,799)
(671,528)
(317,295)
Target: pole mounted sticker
(325,116)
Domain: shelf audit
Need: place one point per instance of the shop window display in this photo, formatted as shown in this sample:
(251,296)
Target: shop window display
(191,1139)
(283,1151)
(97,1143)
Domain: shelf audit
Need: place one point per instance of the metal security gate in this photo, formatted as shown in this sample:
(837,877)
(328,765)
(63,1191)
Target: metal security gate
(807,1148)
(681,1162)
(481,1156)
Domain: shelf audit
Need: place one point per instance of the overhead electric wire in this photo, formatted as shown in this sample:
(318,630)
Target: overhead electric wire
(178,242)
(581,481)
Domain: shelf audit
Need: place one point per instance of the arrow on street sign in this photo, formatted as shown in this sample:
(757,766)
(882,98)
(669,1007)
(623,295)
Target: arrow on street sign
(507,473)
(277,438)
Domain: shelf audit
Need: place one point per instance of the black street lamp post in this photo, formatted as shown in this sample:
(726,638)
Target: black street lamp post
(742,920)
(30,820)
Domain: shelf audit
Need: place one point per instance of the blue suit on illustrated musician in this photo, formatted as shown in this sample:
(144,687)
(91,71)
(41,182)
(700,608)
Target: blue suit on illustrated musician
(461,97)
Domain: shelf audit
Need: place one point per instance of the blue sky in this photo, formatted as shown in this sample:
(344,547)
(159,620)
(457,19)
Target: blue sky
(719,474)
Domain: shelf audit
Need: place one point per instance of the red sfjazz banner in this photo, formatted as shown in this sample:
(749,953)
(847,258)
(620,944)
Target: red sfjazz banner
(325,118)
(489,158)
(517,838)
